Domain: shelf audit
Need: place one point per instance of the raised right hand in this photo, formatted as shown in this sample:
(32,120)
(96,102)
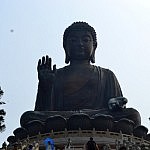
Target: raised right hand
(45,72)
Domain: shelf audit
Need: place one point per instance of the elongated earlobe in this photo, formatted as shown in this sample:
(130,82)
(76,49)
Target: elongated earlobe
(67,59)
(92,59)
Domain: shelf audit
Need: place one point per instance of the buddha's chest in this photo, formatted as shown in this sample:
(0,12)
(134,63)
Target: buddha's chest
(76,80)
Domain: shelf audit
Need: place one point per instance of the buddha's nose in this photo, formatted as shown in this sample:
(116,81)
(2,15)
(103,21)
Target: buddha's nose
(80,42)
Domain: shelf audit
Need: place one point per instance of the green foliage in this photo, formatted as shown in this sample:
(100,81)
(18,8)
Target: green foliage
(2,113)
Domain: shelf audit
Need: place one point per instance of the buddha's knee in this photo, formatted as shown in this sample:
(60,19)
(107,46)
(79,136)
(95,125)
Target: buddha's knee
(26,117)
(128,113)
(34,115)
(133,115)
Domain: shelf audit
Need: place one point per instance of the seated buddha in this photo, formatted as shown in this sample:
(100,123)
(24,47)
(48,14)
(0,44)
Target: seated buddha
(79,86)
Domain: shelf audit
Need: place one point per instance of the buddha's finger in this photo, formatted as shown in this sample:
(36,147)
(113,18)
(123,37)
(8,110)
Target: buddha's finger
(39,64)
(54,68)
(47,62)
(50,63)
(43,60)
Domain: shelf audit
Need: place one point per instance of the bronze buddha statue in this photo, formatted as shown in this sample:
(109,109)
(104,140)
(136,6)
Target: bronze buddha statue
(79,86)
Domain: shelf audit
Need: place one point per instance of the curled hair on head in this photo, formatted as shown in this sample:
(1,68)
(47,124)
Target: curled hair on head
(83,26)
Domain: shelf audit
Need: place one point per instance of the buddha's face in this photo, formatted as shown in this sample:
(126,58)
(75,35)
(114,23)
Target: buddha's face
(80,45)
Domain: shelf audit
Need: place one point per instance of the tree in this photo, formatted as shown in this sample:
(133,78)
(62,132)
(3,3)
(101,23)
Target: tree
(2,113)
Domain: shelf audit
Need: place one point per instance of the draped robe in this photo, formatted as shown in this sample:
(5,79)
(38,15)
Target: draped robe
(95,87)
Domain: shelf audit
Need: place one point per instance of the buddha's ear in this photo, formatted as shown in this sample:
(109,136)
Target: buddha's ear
(92,59)
(67,59)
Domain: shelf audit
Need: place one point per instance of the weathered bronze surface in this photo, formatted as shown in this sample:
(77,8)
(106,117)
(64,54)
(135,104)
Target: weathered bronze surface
(80,86)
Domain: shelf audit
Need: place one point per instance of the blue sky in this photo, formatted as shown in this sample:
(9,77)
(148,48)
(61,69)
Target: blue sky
(123,32)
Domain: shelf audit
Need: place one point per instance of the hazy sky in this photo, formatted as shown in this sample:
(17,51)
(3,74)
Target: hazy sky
(30,29)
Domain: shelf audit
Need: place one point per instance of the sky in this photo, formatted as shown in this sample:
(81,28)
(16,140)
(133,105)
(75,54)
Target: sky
(30,29)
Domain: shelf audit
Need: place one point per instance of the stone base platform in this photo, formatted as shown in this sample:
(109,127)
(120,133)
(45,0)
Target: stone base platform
(77,140)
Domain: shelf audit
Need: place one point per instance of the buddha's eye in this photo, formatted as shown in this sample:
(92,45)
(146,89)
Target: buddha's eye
(73,39)
(86,39)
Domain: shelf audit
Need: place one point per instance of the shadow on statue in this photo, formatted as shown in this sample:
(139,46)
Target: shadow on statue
(79,87)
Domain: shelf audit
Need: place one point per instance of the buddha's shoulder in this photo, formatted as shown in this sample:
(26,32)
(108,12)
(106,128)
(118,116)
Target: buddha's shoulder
(104,70)
(61,70)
